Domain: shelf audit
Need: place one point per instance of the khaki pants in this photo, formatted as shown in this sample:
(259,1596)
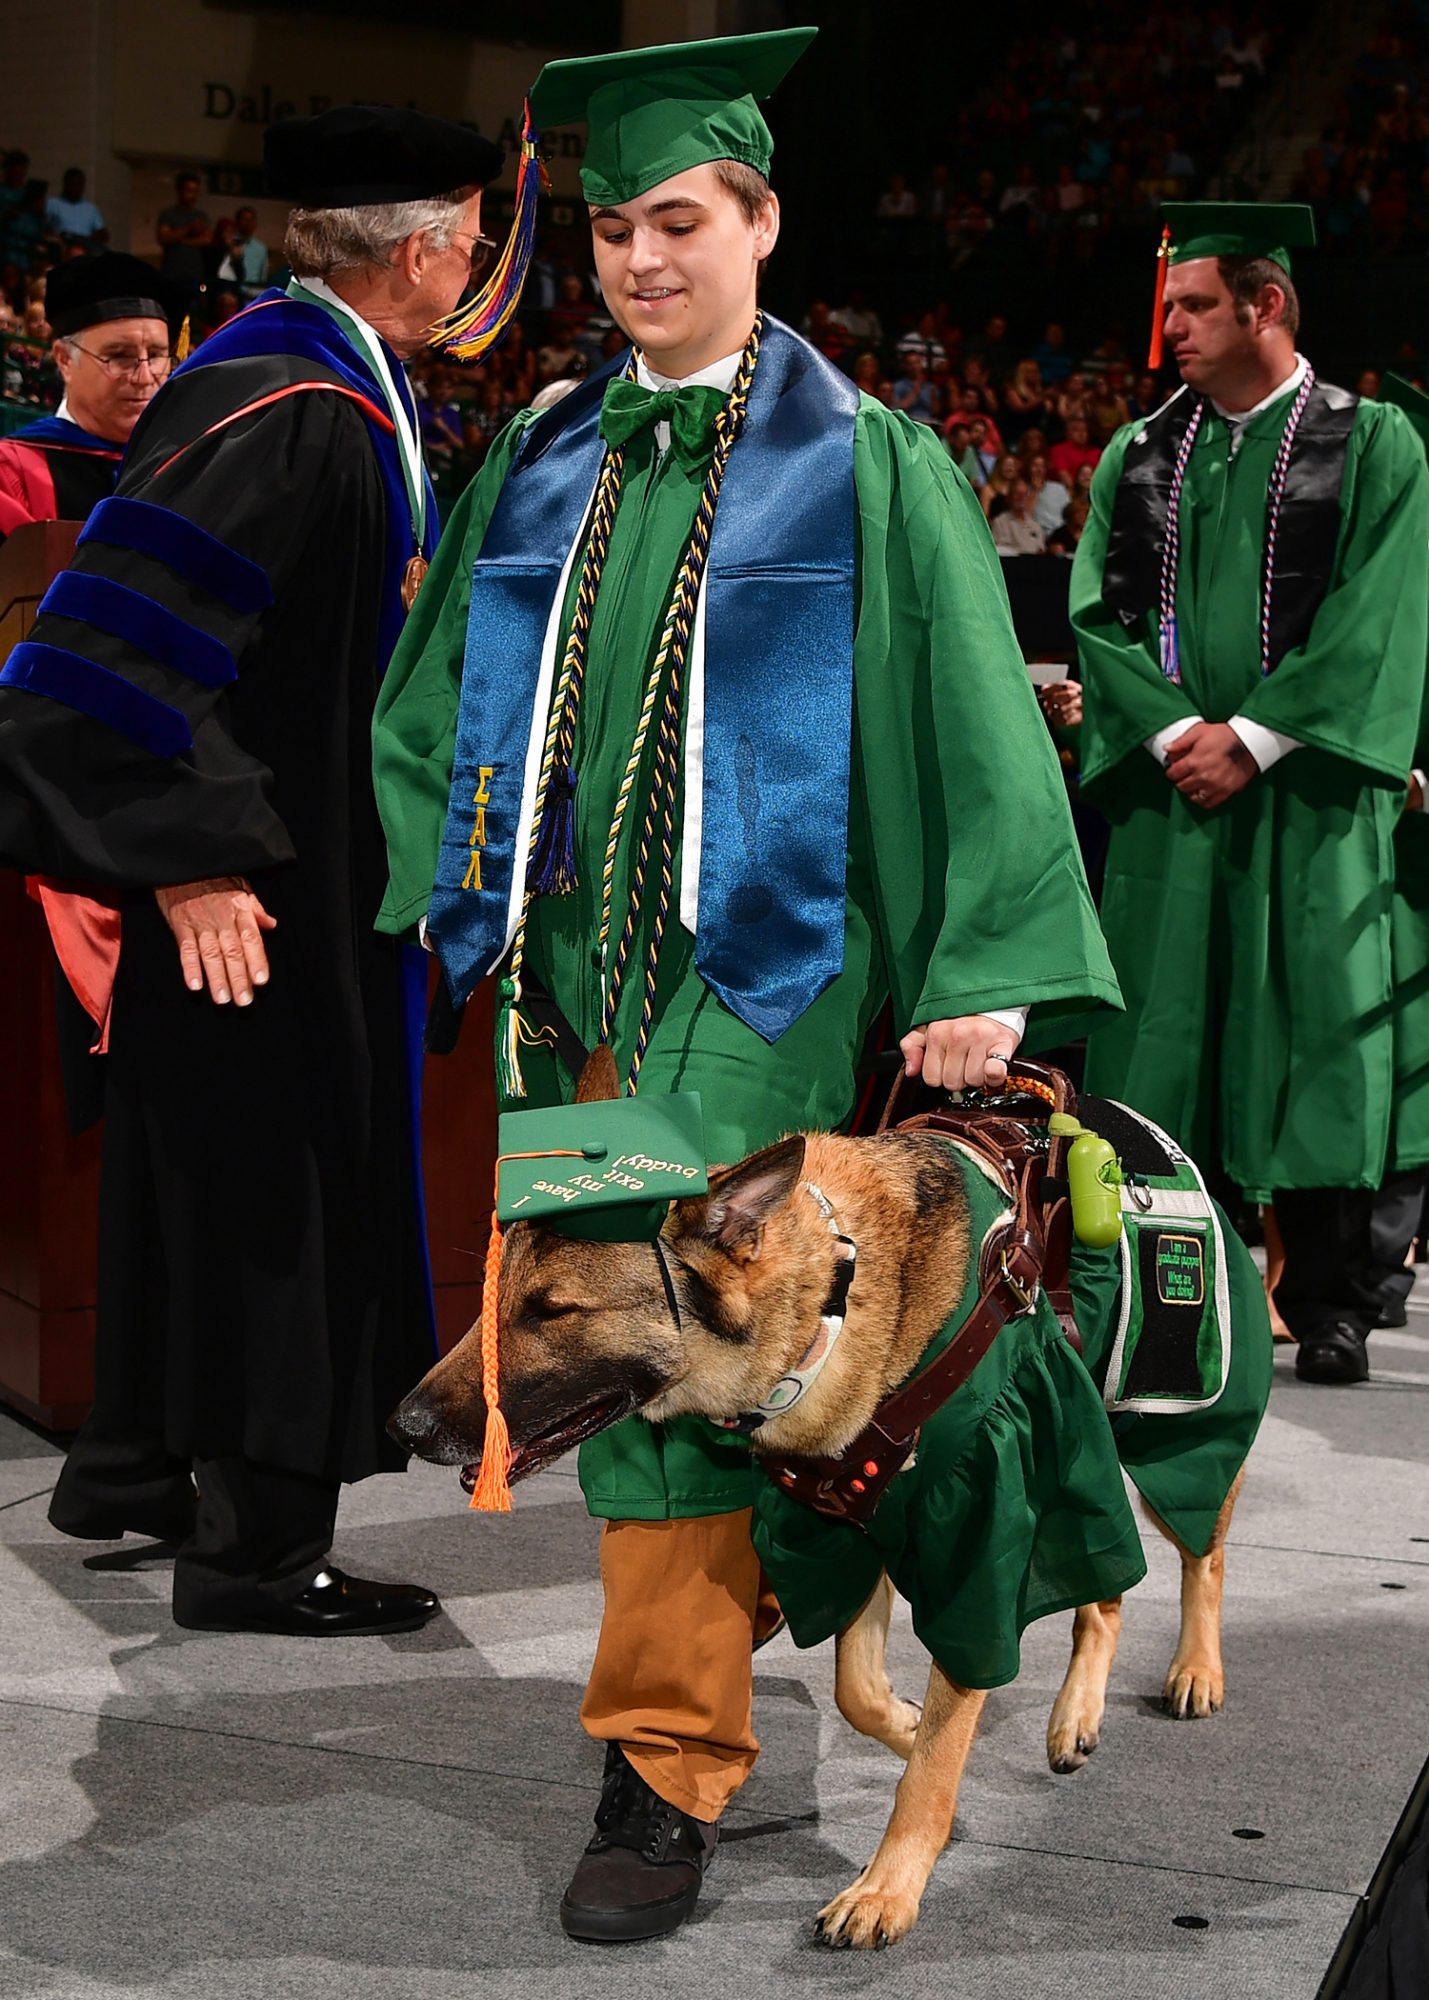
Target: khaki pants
(672,1683)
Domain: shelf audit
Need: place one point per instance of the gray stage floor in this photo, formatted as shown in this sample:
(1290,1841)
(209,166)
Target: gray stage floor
(247,1818)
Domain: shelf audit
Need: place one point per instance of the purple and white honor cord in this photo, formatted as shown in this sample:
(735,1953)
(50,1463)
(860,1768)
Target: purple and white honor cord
(1171,551)
(1272,513)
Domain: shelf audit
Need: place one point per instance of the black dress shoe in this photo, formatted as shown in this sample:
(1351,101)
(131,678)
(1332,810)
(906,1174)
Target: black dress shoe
(169,1524)
(1396,1313)
(334,1606)
(1332,1354)
(640,1876)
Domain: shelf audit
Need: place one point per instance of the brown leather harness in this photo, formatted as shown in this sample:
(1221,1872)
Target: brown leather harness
(1028,1253)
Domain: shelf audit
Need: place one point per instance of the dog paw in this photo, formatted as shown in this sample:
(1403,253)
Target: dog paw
(1193,1689)
(866,1918)
(1069,1748)
(1073,1733)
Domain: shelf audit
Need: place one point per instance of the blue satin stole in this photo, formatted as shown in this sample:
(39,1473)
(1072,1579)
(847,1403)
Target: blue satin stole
(778,688)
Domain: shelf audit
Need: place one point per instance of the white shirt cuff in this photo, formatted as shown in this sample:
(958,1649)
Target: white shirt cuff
(1008,1017)
(1157,744)
(1423,784)
(1267,746)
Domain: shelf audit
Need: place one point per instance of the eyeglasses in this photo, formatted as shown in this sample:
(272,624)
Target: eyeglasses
(128,367)
(482,251)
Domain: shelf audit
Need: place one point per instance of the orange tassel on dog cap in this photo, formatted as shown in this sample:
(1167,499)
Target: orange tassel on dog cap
(492,1491)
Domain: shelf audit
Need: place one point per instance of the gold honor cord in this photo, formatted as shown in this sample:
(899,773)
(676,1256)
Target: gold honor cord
(671,657)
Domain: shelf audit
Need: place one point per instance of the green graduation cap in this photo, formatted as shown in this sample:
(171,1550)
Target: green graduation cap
(605,1172)
(1414,403)
(657,112)
(1239,229)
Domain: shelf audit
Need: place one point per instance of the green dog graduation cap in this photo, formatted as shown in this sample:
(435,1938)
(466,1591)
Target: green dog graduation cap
(657,112)
(605,1172)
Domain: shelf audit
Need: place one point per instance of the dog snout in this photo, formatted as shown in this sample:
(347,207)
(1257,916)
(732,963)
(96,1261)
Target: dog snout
(414,1423)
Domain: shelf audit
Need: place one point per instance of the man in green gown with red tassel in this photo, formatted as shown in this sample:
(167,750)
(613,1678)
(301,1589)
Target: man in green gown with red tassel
(1250,603)
(722,649)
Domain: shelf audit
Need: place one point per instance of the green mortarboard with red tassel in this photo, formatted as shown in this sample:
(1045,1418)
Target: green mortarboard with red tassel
(1226,229)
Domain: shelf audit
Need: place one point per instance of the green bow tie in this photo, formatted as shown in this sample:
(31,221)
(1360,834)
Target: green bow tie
(690,411)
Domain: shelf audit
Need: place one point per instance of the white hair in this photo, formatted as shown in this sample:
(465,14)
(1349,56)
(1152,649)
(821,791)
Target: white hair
(323,241)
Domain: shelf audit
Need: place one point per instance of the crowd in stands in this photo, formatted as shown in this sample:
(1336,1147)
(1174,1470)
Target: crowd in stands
(1367,175)
(221,259)
(1071,141)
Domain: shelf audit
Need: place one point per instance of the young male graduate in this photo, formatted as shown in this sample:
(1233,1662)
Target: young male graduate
(187,729)
(732,640)
(1250,599)
(114,320)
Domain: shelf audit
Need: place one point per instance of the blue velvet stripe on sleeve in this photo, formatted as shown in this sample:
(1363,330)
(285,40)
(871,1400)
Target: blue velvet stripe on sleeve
(78,683)
(183,546)
(130,615)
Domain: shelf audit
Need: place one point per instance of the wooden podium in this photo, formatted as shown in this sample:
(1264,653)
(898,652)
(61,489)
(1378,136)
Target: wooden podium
(49,1179)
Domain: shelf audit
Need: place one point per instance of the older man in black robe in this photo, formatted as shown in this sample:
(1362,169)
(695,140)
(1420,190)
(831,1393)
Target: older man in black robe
(184,746)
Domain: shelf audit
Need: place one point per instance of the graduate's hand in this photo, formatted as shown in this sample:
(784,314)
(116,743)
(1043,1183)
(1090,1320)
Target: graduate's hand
(1062,703)
(970,1053)
(1414,797)
(1209,764)
(219,925)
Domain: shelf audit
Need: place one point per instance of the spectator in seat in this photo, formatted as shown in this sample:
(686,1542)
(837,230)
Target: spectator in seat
(868,375)
(485,419)
(23,226)
(1072,398)
(1049,495)
(997,487)
(1023,400)
(1016,530)
(1063,541)
(897,203)
(246,262)
(1075,451)
(913,392)
(74,218)
(184,233)
(14,179)
(1054,364)
(821,330)
(960,449)
(858,318)
(980,432)
(1145,399)
(1108,407)
(922,339)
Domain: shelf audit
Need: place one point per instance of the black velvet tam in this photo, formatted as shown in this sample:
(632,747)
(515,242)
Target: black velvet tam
(88,291)
(360,154)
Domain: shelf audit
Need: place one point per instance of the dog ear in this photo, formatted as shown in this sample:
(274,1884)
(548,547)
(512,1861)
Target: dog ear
(742,1199)
(600,1079)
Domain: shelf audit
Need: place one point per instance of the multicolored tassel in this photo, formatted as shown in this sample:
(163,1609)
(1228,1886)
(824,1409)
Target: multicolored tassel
(472,330)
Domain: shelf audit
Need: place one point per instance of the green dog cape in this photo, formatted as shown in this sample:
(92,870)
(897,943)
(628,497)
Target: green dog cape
(1014,1507)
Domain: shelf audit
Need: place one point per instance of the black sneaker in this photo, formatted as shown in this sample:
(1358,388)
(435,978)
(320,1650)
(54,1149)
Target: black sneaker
(1332,1354)
(640,1876)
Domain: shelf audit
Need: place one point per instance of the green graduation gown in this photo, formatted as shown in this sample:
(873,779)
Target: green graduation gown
(1253,941)
(965,889)
(1012,1507)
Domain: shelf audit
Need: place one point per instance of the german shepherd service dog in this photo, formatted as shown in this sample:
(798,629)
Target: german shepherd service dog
(589,1334)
